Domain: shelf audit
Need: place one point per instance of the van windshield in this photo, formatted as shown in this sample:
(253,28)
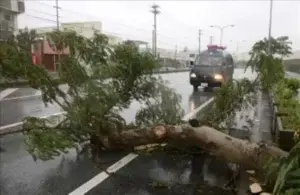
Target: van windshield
(207,58)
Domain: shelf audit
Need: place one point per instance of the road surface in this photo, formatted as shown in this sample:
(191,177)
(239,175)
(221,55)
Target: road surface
(66,173)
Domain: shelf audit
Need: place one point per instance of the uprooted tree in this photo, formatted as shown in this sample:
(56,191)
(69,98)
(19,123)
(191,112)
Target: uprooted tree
(104,80)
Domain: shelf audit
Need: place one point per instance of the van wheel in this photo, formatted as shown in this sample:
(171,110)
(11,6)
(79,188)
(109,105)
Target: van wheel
(195,87)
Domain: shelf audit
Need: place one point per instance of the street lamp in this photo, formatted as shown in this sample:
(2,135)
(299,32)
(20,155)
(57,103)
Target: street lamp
(270,26)
(221,29)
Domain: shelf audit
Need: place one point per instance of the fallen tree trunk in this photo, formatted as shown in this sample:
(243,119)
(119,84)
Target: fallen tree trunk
(243,152)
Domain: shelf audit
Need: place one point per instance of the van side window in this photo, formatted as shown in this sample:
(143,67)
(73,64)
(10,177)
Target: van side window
(229,60)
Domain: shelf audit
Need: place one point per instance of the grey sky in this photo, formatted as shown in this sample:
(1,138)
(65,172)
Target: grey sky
(178,22)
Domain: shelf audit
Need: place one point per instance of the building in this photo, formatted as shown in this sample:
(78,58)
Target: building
(85,29)
(9,11)
(114,40)
(44,54)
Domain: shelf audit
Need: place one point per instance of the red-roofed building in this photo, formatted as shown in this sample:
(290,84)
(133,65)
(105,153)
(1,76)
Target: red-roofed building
(46,55)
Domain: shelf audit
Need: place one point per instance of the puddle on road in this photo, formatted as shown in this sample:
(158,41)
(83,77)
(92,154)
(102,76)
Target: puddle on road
(163,174)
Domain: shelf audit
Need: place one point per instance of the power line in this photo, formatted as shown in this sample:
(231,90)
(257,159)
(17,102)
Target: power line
(173,39)
(41,18)
(119,24)
(42,12)
(91,16)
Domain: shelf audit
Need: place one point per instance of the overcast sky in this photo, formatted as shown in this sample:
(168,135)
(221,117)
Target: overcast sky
(179,21)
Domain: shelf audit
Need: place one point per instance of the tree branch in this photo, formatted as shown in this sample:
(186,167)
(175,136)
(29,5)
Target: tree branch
(250,155)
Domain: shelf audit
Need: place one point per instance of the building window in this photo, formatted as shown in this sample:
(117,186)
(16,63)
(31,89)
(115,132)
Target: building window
(7,17)
(21,6)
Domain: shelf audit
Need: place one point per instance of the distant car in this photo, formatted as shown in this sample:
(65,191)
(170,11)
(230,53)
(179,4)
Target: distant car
(212,68)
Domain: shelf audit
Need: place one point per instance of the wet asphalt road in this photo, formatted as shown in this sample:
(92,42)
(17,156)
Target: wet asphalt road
(21,175)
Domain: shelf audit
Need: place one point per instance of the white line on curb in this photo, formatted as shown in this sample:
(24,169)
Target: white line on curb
(86,187)
(7,92)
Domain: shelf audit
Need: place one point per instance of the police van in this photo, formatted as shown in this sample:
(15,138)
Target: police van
(212,67)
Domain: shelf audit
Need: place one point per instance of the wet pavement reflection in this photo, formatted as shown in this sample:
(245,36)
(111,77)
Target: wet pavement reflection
(160,174)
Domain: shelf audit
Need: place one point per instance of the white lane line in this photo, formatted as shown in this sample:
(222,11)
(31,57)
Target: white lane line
(7,92)
(86,187)
(17,127)
(21,97)
(102,176)
(194,112)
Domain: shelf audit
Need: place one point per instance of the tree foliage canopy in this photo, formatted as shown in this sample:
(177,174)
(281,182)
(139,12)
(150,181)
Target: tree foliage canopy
(103,80)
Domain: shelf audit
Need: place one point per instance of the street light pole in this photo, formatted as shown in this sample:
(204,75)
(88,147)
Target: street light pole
(155,11)
(270,27)
(221,29)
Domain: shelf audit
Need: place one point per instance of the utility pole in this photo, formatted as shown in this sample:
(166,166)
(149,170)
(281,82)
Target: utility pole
(175,54)
(199,39)
(56,60)
(270,27)
(210,40)
(155,11)
(57,14)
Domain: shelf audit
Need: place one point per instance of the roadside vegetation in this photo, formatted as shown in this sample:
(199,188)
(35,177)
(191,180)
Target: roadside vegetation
(93,107)
(286,98)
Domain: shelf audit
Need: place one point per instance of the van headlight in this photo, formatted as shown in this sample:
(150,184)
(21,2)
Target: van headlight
(193,75)
(218,77)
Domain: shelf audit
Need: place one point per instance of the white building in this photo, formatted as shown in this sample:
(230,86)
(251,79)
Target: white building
(85,29)
(114,40)
(9,11)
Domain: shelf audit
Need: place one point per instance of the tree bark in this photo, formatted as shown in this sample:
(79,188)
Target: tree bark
(234,150)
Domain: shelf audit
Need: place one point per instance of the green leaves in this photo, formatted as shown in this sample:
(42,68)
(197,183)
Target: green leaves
(288,178)
(164,108)
(285,93)
(230,98)
(45,142)
(99,82)
(279,46)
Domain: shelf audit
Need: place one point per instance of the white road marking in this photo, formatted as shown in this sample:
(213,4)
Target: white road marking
(22,97)
(191,114)
(102,176)
(7,92)
(17,127)
(86,187)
